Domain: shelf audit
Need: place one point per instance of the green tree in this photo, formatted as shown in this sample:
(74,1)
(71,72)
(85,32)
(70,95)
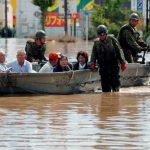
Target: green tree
(43,4)
(113,14)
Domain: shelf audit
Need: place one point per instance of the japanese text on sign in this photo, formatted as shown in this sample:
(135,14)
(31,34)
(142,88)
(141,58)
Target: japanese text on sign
(53,20)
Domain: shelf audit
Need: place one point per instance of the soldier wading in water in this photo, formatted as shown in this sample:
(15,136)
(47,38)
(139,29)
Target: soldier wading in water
(109,55)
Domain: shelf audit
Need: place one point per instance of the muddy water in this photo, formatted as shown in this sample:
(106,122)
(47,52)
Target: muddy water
(98,121)
(10,46)
(76,122)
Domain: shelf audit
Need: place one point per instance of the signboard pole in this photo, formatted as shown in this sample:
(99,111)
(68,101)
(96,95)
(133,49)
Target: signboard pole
(74,27)
(87,27)
(147,12)
(66,17)
(87,31)
(6,21)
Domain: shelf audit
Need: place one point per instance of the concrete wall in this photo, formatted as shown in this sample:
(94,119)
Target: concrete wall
(27,22)
(9,14)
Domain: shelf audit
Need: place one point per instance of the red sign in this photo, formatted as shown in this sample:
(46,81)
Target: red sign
(53,20)
(75,16)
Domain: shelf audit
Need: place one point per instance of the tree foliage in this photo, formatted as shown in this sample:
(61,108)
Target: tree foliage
(113,14)
(43,3)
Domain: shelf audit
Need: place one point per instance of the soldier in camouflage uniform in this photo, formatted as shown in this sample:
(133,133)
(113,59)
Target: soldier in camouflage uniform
(35,50)
(109,55)
(130,39)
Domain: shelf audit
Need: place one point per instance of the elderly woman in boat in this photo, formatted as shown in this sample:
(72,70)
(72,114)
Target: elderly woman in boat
(49,66)
(20,65)
(3,67)
(82,61)
(62,64)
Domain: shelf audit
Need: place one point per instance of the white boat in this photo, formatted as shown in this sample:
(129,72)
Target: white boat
(68,82)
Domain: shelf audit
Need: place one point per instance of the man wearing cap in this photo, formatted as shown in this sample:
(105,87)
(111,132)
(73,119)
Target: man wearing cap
(109,56)
(130,39)
(35,50)
(48,67)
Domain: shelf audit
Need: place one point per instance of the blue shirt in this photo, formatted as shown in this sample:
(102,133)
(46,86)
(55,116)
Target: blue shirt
(26,67)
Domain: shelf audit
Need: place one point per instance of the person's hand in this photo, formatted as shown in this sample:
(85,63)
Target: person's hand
(123,67)
(92,67)
(144,49)
(33,60)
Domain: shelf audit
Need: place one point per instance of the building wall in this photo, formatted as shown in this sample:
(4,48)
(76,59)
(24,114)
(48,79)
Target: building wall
(1,13)
(139,5)
(27,22)
(9,14)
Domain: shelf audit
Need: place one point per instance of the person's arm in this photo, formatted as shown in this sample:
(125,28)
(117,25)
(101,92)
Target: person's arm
(29,52)
(93,55)
(131,41)
(43,49)
(119,51)
(140,41)
(120,54)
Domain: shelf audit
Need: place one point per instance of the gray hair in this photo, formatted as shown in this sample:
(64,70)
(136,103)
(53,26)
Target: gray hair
(21,51)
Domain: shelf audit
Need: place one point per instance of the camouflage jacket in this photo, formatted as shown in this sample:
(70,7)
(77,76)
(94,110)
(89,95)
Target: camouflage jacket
(130,39)
(107,53)
(35,52)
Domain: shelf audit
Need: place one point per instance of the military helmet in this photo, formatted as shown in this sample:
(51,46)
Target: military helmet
(40,34)
(102,29)
(134,16)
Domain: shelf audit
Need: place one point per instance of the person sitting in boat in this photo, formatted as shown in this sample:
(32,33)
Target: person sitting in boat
(62,64)
(3,67)
(20,65)
(82,61)
(49,66)
(130,39)
(35,50)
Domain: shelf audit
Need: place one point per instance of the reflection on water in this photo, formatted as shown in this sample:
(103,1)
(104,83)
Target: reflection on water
(70,49)
(75,122)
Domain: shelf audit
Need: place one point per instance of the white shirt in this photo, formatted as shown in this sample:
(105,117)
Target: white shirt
(26,67)
(47,68)
(81,67)
(3,68)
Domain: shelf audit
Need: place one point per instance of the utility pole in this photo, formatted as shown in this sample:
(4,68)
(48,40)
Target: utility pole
(6,22)
(147,12)
(66,16)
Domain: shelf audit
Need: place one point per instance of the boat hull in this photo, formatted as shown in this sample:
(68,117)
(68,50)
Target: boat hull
(56,83)
(68,82)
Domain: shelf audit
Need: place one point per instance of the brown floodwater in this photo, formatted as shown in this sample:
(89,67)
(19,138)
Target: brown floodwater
(91,121)
(10,46)
(99,121)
